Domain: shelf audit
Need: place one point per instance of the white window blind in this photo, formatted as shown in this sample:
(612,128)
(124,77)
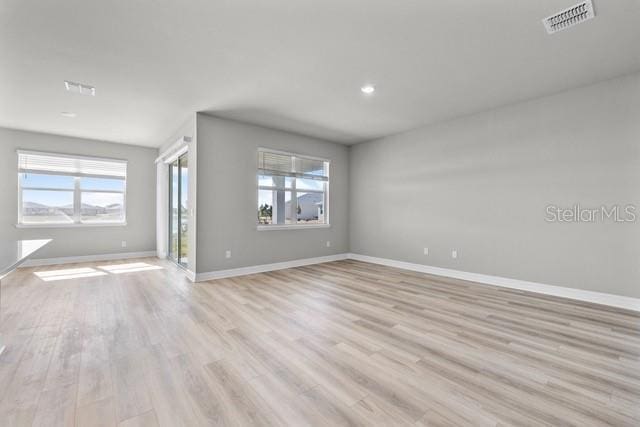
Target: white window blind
(62,164)
(282,164)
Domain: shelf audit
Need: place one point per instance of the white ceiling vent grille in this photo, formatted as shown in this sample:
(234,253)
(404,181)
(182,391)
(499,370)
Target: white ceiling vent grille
(80,88)
(569,17)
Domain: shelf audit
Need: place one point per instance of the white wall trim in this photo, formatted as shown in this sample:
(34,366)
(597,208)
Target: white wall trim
(242,271)
(190,275)
(175,150)
(618,301)
(87,258)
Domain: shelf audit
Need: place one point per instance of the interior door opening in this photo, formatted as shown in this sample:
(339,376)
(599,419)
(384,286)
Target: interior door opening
(178,210)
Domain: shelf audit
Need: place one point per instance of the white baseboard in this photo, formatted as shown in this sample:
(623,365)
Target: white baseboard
(190,275)
(619,301)
(87,258)
(221,274)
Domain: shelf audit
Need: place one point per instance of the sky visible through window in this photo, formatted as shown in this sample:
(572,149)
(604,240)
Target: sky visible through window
(265,197)
(184,183)
(61,198)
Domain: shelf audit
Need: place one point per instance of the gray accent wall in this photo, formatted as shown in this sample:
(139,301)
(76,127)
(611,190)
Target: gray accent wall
(227,197)
(139,233)
(481,184)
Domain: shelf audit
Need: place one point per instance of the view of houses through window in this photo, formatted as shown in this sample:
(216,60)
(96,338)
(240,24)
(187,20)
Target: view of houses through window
(62,189)
(292,189)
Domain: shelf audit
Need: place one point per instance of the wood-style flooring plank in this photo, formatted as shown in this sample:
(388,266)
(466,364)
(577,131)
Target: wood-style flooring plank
(343,343)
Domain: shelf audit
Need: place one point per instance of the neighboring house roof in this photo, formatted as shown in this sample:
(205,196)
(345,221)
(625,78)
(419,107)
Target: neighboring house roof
(310,198)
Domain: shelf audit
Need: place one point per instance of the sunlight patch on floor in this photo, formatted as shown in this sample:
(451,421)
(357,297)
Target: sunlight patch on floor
(129,267)
(103,270)
(69,273)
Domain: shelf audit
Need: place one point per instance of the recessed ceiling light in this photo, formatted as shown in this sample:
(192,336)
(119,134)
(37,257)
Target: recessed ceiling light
(80,88)
(368,89)
(68,114)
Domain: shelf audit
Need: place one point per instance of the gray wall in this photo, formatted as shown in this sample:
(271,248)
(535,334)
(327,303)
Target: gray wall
(480,184)
(227,197)
(141,192)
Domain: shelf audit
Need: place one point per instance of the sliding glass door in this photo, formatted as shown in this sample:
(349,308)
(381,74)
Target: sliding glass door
(178,210)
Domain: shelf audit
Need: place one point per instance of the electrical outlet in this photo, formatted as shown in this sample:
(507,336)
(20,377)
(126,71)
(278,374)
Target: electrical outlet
(227,254)
(426,251)
(454,254)
(124,243)
(328,243)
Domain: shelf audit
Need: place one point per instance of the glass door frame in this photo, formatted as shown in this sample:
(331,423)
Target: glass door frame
(177,163)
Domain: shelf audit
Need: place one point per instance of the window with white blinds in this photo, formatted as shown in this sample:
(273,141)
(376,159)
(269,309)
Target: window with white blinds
(292,190)
(62,189)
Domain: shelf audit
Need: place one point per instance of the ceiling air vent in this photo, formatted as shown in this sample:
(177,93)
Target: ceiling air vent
(80,88)
(569,17)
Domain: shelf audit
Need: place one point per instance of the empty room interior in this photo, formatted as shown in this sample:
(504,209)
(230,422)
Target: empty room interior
(320,213)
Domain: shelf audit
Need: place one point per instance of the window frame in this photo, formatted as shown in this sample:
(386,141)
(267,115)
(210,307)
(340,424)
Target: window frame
(77,194)
(294,191)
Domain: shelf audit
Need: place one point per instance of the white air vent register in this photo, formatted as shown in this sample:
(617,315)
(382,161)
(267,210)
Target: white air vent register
(79,88)
(569,17)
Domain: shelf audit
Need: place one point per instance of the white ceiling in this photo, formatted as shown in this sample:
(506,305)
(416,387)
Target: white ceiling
(295,65)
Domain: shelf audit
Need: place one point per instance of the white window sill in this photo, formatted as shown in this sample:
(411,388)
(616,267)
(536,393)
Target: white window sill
(74,225)
(290,227)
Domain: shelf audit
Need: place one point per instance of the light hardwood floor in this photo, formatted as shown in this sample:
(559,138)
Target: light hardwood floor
(342,343)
